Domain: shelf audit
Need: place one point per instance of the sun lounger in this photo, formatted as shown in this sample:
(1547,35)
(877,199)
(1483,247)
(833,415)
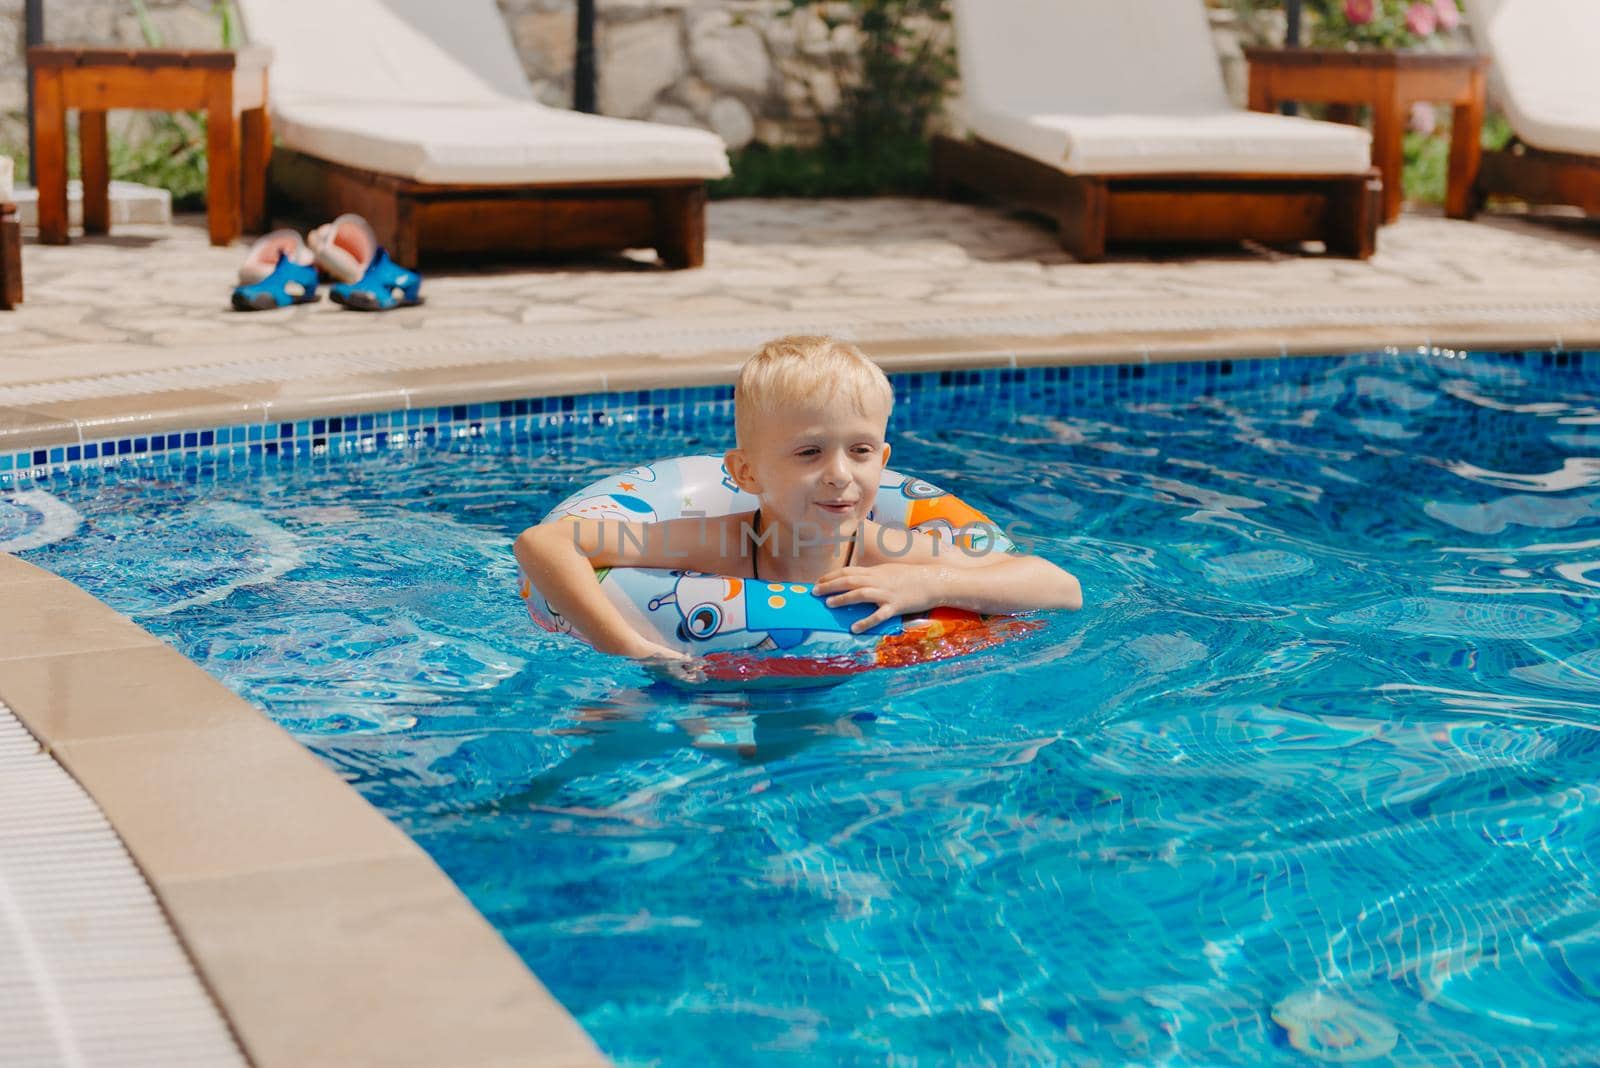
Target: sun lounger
(1110,116)
(1545,75)
(416,114)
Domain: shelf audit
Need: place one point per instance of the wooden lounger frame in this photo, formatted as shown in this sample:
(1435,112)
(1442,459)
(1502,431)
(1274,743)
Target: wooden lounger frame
(10,257)
(1092,211)
(1539,177)
(417,221)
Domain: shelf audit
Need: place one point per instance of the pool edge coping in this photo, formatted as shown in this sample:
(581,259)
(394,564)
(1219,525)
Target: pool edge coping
(76,422)
(394,967)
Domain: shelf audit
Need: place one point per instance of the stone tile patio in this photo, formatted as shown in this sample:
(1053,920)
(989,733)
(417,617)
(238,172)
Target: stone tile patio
(143,312)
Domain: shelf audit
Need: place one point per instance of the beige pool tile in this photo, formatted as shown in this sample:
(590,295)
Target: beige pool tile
(1569,335)
(113,692)
(913,362)
(22,428)
(476,383)
(380,962)
(227,800)
(144,412)
(949,346)
(668,372)
(50,618)
(1080,350)
(308,398)
(16,569)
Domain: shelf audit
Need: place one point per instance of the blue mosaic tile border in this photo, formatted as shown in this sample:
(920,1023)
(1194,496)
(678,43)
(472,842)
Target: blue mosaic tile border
(544,417)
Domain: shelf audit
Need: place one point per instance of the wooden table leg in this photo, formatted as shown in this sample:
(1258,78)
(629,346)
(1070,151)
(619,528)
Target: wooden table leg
(1261,90)
(1388,142)
(96,172)
(50,142)
(256,130)
(1348,114)
(222,158)
(10,257)
(1466,150)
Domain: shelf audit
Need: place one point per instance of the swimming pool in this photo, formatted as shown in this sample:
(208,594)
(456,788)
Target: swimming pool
(1312,775)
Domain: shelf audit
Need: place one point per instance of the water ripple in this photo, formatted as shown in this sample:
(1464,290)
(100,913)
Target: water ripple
(1309,780)
(1459,619)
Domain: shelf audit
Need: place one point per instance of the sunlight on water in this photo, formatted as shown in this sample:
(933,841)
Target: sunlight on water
(1311,780)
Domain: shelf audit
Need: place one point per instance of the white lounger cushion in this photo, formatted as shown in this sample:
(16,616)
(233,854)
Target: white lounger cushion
(1546,69)
(1233,141)
(511,143)
(1126,87)
(433,91)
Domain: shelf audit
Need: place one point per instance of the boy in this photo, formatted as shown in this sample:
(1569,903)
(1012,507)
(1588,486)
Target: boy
(810,414)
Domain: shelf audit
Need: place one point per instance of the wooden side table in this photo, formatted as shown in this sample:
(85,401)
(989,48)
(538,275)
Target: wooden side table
(10,257)
(1389,82)
(229,86)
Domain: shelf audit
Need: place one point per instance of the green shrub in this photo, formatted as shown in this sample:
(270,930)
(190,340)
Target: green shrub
(1427,157)
(875,140)
(825,171)
(172,156)
(18,155)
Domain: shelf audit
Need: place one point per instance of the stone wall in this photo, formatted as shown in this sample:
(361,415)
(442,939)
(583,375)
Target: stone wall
(734,66)
(181,23)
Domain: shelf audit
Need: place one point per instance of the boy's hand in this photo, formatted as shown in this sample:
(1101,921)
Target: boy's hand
(897,590)
(648,650)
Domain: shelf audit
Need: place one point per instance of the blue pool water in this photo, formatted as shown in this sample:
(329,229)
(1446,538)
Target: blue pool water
(1313,777)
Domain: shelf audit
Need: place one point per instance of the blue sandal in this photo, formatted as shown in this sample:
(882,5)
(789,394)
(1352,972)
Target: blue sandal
(277,271)
(289,283)
(385,285)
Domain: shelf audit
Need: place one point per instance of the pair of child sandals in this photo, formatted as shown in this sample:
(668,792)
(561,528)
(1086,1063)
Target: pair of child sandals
(281,269)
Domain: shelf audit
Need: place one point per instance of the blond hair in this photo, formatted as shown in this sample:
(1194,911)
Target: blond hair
(806,370)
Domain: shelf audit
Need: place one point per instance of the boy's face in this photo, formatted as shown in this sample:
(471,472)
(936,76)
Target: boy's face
(817,465)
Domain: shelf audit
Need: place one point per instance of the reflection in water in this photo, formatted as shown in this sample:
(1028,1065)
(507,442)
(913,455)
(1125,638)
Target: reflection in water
(628,728)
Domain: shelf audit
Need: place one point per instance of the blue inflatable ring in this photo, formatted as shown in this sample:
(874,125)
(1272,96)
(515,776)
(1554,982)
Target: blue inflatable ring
(700,615)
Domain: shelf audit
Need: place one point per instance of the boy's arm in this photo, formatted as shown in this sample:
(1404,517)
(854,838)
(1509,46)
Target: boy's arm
(921,572)
(560,559)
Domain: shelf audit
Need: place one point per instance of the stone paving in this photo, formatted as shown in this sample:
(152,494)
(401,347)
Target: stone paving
(143,314)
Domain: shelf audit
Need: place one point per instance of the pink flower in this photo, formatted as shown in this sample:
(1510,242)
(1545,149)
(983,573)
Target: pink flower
(1423,119)
(1358,12)
(1422,19)
(1449,14)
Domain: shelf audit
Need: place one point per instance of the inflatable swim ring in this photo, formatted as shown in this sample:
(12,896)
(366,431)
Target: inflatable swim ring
(702,615)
